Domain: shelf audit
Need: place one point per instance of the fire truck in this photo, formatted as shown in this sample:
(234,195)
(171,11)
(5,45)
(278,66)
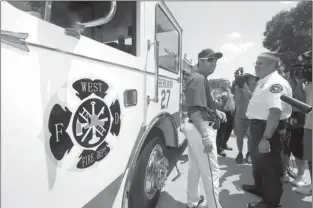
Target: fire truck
(91,102)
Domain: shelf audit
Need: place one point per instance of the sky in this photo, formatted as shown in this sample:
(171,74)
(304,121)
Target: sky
(234,28)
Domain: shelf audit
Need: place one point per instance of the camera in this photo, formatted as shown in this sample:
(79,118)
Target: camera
(240,78)
(304,69)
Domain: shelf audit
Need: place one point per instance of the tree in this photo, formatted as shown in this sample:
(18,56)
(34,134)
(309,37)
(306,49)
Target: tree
(289,33)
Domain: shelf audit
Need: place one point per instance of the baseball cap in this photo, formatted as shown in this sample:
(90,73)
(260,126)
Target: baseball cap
(208,52)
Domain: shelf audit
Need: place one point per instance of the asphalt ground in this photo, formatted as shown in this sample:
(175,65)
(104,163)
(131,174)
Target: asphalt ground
(174,194)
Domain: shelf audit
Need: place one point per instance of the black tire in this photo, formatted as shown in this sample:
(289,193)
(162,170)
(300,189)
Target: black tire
(137,196)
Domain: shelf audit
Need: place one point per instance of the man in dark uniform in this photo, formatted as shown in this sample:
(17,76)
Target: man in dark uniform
(201,133)
(268,114)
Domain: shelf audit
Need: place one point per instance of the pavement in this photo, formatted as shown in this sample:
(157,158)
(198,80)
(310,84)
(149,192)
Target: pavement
(174,194)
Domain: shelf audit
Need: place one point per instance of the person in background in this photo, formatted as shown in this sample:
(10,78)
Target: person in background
(242,123)
(295,145)
(224,132)
(307,140)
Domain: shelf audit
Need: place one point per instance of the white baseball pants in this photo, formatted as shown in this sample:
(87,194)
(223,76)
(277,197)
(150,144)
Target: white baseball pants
(202,164)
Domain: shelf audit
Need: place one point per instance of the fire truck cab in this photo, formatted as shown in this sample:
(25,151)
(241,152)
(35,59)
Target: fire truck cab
(91,102)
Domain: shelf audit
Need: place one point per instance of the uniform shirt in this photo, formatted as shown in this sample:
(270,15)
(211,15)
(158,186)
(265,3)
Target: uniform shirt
(267,95)
(198,96)
(308,100)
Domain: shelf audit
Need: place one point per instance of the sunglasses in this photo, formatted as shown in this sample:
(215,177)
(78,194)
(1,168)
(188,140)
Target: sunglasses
(210,59)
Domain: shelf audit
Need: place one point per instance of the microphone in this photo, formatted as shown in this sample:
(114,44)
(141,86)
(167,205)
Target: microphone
(303,107)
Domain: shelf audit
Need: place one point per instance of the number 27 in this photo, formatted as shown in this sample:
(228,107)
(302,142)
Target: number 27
(165,99)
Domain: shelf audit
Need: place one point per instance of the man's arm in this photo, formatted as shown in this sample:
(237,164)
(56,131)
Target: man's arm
(272,122)
(197,119)
(275,109)
(195,100)
(246,91)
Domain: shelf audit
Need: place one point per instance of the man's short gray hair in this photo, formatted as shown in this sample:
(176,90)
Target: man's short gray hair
(274,57)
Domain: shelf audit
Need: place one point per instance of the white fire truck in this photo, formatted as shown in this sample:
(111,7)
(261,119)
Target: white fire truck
(90,102)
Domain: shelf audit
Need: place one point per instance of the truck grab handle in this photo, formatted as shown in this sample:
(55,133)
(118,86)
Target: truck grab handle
(156,66)
(78,28)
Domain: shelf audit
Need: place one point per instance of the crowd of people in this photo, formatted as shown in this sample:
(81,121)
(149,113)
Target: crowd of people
(251,107)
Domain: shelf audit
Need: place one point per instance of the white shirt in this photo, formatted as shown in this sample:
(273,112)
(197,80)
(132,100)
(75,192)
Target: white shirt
(308,99)
(267,95)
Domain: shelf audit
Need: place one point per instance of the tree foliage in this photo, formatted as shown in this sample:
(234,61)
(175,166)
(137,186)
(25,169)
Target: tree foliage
(290,33)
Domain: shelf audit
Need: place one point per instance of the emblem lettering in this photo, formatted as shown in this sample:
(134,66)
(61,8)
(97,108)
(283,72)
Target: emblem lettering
(89,157)
(116,111)
(60,141)
(85,87)
(57,131)
(102,151)
(91,87)
(116,118)
(163,83)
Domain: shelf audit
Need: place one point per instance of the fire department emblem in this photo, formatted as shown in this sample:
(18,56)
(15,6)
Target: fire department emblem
(93,121)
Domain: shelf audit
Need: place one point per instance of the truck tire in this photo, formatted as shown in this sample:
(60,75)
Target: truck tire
(150,175)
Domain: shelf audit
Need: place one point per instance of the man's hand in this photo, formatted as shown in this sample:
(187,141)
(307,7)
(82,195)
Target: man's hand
(207,144)
(264,146)
(221,115)
(247,91)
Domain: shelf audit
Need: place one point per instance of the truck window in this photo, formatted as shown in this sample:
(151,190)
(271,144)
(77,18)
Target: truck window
(119,33)
(168,36)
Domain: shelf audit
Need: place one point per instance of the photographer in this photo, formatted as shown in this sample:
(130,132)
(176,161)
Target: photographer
(297,123)
(241,121)
(307,139)
(297,80)
(305,73)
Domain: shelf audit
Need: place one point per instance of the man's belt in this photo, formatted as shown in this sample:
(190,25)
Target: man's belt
(281,125)
(264,121)
(211,123)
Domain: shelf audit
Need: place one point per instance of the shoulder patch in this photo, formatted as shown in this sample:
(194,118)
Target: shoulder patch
(276,88)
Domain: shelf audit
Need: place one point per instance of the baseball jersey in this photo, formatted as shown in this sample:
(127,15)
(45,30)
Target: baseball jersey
(198,95)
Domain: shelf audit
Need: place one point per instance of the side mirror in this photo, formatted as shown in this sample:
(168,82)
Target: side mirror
(78,28)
